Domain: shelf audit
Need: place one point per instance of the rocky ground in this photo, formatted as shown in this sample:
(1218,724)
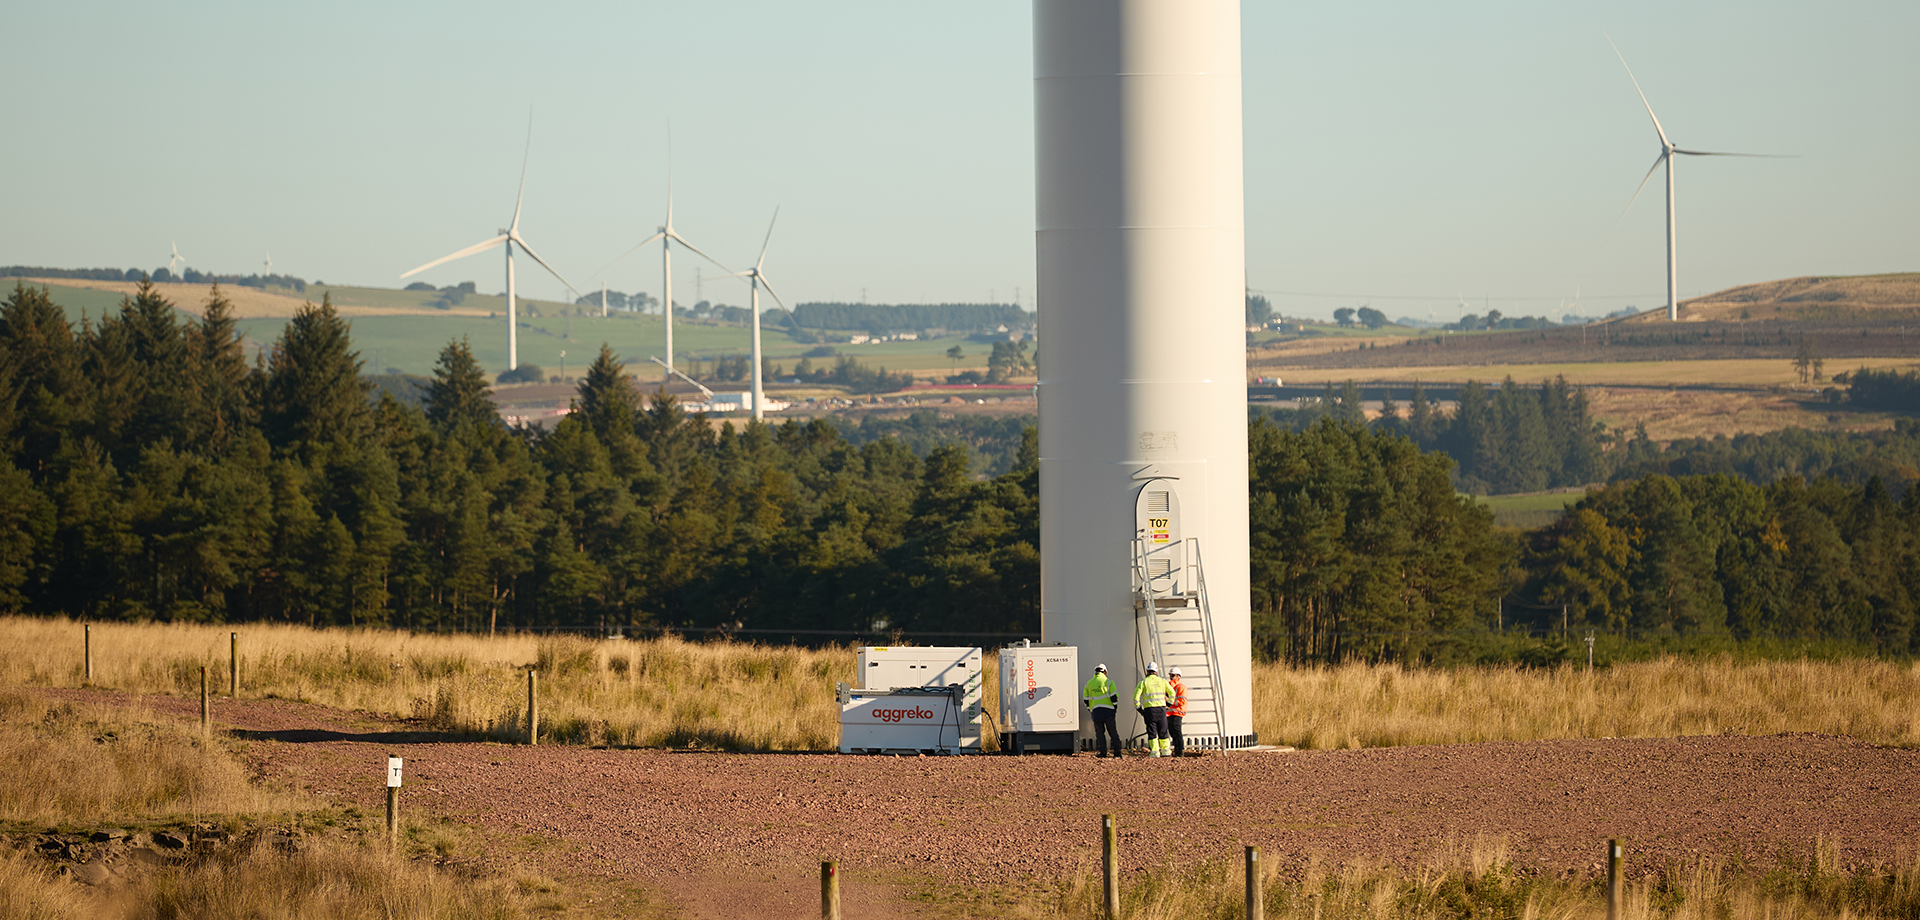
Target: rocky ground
(730,835)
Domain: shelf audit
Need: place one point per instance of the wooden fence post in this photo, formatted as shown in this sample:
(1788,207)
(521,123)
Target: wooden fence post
(533,707)
(1614,905)
(1256,902)
(233,665)
(89,653)
(206,722)
(829,890)
(1110,866)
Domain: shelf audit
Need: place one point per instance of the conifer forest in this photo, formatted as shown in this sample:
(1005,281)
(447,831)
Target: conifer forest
(154,474)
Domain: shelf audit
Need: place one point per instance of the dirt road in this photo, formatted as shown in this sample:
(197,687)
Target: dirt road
(730,835)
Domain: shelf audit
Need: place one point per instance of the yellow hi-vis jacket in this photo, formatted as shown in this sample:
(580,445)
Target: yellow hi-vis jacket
(1153,691)
(1099,693)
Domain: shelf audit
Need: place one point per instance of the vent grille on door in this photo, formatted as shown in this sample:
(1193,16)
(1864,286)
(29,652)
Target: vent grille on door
(1157,502)
(1159,568)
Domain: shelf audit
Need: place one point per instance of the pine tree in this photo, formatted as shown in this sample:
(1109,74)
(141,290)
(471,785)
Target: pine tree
(26,532)
(459,392)
(313,392)
(218,366)
(1422,421)
(42,396)
(162,391)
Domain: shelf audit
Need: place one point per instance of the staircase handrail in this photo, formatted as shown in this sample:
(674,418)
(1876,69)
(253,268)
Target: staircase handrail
(1206,626)
(1146,590)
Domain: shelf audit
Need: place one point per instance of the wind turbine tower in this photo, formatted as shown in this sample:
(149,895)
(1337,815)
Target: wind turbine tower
(509,238)
(756,279)
(667,237)
(1668,151)
(1141,250)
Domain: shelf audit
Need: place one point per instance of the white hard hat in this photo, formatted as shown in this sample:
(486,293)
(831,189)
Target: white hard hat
(1175,670)
(1099,667)
(1151,667)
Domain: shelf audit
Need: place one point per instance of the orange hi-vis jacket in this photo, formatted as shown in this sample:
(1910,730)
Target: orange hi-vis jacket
(1179,705)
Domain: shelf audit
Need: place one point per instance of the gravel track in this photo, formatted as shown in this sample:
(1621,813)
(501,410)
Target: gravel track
(734,835)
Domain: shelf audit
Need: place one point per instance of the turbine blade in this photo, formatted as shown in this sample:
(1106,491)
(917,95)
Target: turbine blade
(682,241)
(522,243)
(669,227)
(470,250)
(1643,184)
(1664,143)
(1717,153)
(763,243)
(525,155)
(636,248)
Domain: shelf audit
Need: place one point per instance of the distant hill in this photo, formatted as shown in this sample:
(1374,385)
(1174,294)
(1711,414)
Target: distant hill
(1811,298)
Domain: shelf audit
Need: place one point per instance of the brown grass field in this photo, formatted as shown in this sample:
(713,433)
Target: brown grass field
(1670,414)
(83,765)
(677,694)
(1752,372)
(248,303)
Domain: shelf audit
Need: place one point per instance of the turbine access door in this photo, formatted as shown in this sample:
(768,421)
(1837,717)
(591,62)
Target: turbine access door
(1157,527)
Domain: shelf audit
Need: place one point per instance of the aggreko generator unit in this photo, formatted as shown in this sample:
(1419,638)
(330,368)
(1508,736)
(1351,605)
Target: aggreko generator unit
(1039,698)
(913,700)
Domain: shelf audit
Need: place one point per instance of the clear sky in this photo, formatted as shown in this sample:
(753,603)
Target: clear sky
(1396,154)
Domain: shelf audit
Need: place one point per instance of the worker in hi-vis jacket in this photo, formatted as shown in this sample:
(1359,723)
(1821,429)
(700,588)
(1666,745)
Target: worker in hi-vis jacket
(1150,698)
(1176,710)
(1102,700)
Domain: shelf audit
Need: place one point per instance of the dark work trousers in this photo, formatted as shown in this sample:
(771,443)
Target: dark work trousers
(1103,729)
(1156,717)
(1179,740)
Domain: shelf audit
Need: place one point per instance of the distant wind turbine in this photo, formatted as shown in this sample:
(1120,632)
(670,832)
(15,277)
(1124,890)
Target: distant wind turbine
(173,264)
(667,237)
(756,279)
(269,263)
(510,237)
(1667,153)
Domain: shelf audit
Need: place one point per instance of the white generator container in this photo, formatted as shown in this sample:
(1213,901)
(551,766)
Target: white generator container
(908,720)
(915,669)
(1039,697)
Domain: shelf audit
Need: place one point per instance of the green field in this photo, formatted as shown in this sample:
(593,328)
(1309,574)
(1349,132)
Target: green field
(1334,331)
(411,343)
(1532,509)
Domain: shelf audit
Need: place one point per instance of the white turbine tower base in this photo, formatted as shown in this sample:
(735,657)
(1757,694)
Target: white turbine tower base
(1667,152)
(1141,251)
(509,238)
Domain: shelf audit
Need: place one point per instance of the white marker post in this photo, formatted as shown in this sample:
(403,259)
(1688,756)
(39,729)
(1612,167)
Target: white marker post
(393,801)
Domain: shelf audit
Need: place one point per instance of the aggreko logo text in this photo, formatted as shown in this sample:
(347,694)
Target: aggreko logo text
(895,715)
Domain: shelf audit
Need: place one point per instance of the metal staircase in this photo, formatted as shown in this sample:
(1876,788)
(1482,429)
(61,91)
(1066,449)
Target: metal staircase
(1177,631)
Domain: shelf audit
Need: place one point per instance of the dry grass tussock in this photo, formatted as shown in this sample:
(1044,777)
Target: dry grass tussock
(639,693)
(70,764)
(1475,879)
(82,768)
(1386,705)
(262,883)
